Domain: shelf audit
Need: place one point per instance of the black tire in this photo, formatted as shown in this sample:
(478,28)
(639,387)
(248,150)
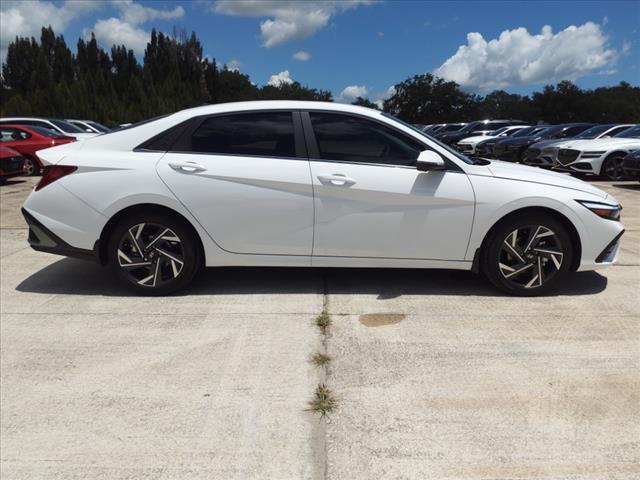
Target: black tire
(500,259)
(173,258)
(612,168)
(31,167)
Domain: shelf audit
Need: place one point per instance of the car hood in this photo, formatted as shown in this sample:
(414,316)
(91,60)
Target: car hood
(600,143)
(547,143)
(477,138)
(81,136)
(514,171)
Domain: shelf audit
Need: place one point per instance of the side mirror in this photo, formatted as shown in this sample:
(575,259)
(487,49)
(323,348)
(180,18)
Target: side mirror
(429,160)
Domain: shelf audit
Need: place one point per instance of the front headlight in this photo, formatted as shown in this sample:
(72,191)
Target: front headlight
(604,210)
(593,154)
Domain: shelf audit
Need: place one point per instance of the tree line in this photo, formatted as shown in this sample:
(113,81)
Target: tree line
(46,79)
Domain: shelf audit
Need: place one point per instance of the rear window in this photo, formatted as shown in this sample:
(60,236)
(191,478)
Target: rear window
(66,126)
(46,132)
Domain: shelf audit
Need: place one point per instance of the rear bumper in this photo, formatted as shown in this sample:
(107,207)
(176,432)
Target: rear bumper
(44,240)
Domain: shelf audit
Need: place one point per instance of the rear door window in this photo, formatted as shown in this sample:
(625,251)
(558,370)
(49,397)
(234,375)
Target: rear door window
(263,134)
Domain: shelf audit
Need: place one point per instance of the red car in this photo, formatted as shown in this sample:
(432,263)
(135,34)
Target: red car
(11,163)
(28,140)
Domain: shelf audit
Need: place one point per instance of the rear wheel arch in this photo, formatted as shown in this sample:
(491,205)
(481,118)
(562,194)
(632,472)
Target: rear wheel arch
(568,224)
(101,245)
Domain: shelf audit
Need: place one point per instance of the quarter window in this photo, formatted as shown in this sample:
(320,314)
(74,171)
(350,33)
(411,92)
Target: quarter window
(352,139)
(266,134)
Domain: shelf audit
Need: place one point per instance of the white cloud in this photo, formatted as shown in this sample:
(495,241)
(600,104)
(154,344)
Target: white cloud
(380,34)
(287,19)
(25,19)
(127,29)
(280,79)
(519,58)
(302,56)
(114,31)
(350,93)
(233,65)
(136,13)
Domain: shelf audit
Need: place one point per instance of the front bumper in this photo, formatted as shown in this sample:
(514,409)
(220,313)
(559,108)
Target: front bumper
(44,240)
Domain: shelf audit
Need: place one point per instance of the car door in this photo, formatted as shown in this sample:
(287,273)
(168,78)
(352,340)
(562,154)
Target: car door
(371,201)
(245,177)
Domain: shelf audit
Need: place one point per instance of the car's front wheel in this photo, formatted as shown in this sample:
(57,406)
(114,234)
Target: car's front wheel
(527,255)
(153,254)
(612,168)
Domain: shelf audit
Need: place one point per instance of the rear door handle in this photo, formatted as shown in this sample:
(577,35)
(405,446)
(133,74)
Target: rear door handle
(187,167)
(336,179)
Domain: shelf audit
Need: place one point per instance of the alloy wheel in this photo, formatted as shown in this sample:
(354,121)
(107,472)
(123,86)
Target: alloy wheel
(613,169)
(530,256)
(29,167)
(150,254)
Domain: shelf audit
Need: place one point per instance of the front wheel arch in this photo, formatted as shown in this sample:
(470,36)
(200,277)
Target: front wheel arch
(573,234)
(147,208)
(619,153)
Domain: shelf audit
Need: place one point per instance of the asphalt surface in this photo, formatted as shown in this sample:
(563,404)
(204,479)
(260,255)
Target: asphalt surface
(437,374)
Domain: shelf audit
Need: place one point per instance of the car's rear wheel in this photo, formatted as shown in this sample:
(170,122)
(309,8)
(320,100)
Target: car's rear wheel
(527,255)
(31,167)
(153,254)
(612,168)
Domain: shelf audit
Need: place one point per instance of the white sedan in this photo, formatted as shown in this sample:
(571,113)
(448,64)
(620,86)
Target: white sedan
(468,145)
(603,157)
(302,184)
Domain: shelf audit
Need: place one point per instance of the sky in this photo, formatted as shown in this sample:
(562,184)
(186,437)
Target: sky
(363,47)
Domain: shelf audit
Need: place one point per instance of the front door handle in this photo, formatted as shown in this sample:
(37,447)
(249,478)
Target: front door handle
(187,167)
(336,179)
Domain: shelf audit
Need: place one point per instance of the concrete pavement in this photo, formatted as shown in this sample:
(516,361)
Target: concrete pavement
(437,374)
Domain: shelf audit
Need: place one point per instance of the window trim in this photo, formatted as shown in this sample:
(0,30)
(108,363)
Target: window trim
(179,146)
(314,151)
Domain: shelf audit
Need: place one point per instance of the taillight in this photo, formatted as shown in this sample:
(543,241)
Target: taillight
(51,173)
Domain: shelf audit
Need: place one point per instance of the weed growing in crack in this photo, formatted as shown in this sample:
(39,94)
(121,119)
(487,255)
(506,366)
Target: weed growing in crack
(323,321)
(324,401)
(320,359)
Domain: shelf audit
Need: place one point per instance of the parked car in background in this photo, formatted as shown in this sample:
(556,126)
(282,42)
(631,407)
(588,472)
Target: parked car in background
(29,140)
(631,165)
(512,149)
(485,147)
(11,163)
(480,127)
(545,153)
(89,126)
(468,145)
(310,184)
(441,128)
(603,157)
(55,124)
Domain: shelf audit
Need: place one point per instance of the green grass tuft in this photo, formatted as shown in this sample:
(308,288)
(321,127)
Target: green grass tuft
(320,359)
(324,402)
(323,321)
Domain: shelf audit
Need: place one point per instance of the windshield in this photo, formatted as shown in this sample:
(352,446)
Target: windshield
(470,126)
(550,132)
(632,132)
(446,147)
(98,126)
(45,132)
(593,132)
(66,126)
(499,131)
